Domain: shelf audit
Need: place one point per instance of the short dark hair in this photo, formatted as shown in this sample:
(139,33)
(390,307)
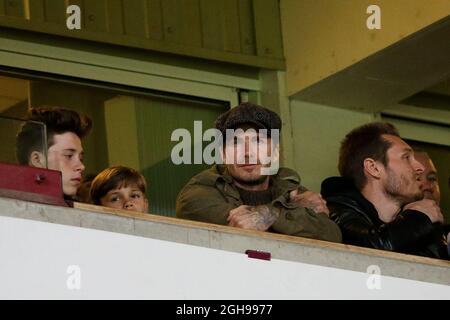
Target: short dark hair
(113,178)
(361,143)
(57,121)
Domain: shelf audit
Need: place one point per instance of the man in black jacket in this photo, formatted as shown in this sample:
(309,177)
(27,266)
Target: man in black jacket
(378,202)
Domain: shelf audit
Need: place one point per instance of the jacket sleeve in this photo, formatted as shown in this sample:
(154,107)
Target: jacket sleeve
(298,221)
(203,203)
(408,230)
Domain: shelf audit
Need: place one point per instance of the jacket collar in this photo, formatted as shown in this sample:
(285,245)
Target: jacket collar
(343,191)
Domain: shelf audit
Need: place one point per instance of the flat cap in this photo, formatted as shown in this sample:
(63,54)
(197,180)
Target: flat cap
(248,113)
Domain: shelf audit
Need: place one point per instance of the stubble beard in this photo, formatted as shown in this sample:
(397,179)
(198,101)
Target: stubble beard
(247,181)
(250,181)
(396,184)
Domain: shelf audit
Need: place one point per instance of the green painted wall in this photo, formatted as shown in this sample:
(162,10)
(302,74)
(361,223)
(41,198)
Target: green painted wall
(317,132)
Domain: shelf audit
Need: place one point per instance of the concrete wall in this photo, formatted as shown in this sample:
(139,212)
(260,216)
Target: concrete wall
(92,264)
(306,253)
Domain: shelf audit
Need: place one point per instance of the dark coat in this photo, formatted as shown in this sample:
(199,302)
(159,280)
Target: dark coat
(411,232)
(210,195)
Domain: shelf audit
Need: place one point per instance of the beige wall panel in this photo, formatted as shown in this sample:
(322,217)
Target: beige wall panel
(171,21)
(211,25)
(114,16)
(134,13)
(230,22)
(191,29)
(154,23)
(36,10)
(322,37)
(246,27)
(95,15)
(268,28)
(55,11)
(219,30)
(182,22)
(14,8)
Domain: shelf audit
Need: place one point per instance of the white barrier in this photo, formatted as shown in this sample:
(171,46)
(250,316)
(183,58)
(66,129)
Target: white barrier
(50,261)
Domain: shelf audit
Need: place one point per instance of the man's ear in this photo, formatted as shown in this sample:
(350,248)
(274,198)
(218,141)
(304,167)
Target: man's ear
(37,159)
(372,168)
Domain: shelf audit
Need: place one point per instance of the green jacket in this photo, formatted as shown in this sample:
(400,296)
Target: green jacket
(210,195)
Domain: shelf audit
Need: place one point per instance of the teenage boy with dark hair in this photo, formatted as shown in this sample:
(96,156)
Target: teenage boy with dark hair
(64,129)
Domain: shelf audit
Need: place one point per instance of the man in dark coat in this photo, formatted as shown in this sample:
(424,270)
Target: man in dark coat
(243,195)
(378,201)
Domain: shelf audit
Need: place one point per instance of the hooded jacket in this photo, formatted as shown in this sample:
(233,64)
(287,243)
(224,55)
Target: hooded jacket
(411,232)
(210,195)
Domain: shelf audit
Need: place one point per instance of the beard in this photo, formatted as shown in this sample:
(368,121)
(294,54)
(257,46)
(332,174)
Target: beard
(396,188)
(250,181)
(246,178)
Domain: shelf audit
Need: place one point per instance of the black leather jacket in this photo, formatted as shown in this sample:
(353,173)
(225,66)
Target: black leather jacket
(411,232)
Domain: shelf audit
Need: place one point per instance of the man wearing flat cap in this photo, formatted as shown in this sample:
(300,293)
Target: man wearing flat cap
(249,192)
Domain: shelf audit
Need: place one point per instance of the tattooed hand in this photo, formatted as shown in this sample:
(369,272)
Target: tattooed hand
(258,218)
(310,200)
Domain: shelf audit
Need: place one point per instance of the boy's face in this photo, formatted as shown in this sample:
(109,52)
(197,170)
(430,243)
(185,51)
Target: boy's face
(128,197)
(66,155)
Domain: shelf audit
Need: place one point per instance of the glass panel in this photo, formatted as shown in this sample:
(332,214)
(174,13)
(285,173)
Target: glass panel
(20,139)
(164,177)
